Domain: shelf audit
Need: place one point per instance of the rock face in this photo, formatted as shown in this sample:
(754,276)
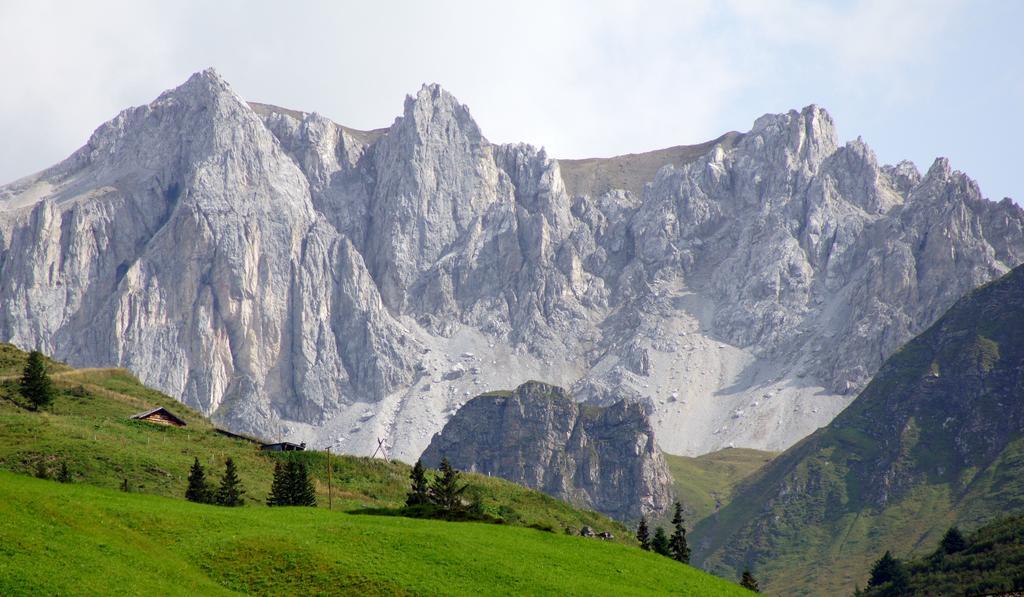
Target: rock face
(296,278)
(603,459)
(934,440)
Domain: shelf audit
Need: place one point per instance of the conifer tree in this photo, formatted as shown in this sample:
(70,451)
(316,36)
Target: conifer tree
(643,534)
(198,491)
(659,544)
(747,581)
(420,492)
(64,475)
(953,541)
(280,487)
(301,486)
(230,491)
(35,381)
(445,491)
(890,570)
(677,544)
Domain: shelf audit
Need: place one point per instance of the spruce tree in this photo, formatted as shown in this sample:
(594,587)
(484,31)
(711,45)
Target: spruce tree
(643,534)
(953,541)
(230,491)
(889,570)
(64,475)
(420,492)
(445,491)
(198,491)
(280,487)
(677,544)
(301,486)
(35,382)
(747,581)
(660,543)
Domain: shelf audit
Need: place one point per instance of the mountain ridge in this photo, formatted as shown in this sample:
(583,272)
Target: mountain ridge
(933,441)
(304,278)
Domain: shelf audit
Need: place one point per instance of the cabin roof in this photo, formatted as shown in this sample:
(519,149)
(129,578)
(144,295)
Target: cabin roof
(159,409)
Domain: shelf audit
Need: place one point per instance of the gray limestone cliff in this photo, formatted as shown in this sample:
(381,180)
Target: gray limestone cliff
(294,277)
(600,458)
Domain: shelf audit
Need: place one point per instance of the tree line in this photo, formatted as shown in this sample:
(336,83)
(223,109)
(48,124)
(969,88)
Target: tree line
(676,546)
(291,486)
(442,495)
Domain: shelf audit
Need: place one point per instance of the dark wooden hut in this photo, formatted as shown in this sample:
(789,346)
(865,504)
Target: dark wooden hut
(160,416)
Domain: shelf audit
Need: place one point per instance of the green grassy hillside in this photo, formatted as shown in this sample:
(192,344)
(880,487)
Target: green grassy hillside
(705,483)
(936,439)
(88,427)
(78,539)
(990,562)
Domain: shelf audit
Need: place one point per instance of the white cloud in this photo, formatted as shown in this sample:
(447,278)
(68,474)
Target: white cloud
(581,78)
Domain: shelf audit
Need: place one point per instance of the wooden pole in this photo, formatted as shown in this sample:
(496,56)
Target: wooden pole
(329,495)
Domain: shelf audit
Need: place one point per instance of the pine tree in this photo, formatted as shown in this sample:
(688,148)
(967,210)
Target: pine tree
(230,491)
(197,491)
(889,570)
(302,492)
(953,541)
(420,492)
(445,491)
(64,475)
(747,581)
(677,544)
(643,534)
(659,544)
(280,488)
(35,382)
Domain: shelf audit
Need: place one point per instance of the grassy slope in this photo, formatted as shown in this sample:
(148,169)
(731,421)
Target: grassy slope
(100,539)
(91,431)
(992,562)
(703,481)
(884,474)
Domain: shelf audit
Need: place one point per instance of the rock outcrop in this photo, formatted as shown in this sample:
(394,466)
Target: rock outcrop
(294,277)
(600,458)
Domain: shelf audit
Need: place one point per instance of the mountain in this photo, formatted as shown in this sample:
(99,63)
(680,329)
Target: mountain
(603,459)
(294,277)
(936,439)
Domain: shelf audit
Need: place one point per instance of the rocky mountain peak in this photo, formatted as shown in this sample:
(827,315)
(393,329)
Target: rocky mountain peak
(287,274)
(436,114)
(808,136)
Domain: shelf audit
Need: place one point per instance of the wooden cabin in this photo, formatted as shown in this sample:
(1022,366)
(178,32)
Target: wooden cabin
(160,416)
(283,447)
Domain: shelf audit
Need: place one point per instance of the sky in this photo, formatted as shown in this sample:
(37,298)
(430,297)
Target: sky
(915,79)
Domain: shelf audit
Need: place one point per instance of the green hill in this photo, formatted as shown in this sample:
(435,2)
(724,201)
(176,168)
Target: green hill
(936,439)
(705,483)
(99,538)
(89,428)
(77,539)
(991,562)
